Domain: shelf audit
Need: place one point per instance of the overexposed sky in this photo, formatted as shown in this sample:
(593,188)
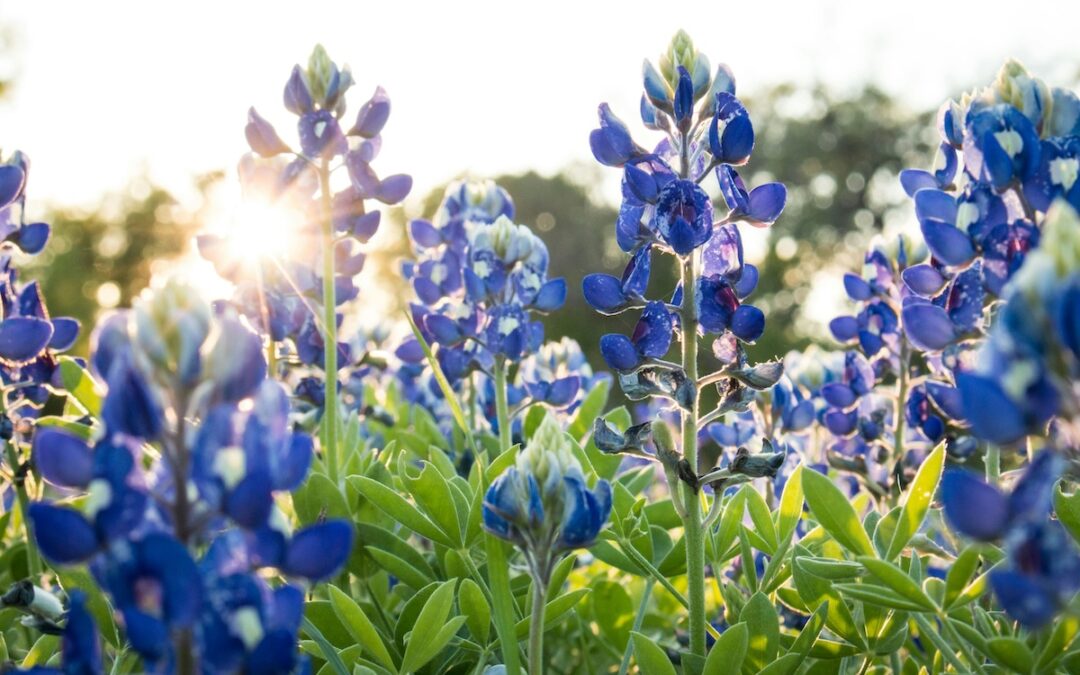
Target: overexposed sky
(109,88)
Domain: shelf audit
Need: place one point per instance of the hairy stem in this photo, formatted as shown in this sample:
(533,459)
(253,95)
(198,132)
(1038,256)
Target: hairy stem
(33,562)
(330,364)
(692,521)
(536,625)
(497,565)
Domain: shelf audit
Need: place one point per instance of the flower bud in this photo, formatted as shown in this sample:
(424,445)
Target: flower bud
(171,324)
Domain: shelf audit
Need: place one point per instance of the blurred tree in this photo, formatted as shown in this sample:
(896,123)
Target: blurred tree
(840,158)
(103,257)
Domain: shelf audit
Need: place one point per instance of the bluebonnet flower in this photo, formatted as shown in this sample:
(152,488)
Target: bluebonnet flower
(1042,572)
(30,339)
(146,515)
(294,298)
(481,280)
(543,503)
(1026,370)
(1018,143)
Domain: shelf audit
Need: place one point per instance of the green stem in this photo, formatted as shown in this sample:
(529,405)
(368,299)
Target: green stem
(33,562)
(536,627)
(900,414)
(993,463)
(502,408)
(692,521)
(330,364)
(497,565)
(638,620)
(636,556)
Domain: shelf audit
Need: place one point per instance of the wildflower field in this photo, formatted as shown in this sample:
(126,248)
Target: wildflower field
(250,484)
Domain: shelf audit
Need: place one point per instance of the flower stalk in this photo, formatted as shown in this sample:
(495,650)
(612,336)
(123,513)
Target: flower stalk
(330,364)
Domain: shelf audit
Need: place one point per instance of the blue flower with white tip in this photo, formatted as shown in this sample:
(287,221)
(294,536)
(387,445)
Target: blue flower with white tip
(543,503)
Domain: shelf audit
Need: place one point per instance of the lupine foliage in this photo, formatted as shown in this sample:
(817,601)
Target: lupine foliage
(239,486)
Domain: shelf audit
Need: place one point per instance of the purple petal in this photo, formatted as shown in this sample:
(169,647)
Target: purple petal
(372,116)
(394,188)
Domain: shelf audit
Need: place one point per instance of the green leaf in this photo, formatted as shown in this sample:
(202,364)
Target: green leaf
(917,502)
(878,596)
(613,611)
(1068,511)
(554,611)
(729,651)
(815,591)
(476,609)
(424,642)
(81,385)
(432,494)
(761,517)
(359,626)
(650,658)
(1065,631)
(810,631)
(782,666)
(828,568)
(791,504)
(763,624)
(1011,653)
(396,506)
(833,511)
(960,573)
(329,653)
(590,408)
(319,498)
(895,578)
(449,395)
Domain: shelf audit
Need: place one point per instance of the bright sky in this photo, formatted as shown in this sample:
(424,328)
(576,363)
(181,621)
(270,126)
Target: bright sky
(108,88)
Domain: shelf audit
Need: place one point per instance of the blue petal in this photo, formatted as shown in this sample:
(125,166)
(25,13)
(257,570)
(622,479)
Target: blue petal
(748,323)
(844,328)
(973,507)
(992,414)
(12,179)
(63,535)
(65,332)
(652,335)
(766,203)
(424,234)
(251,501)
(603,292)
(947,399)
(839,395)
(684,97)
(131,406)
(857,288)
(923,279)
(928,326)
(23,338)
(935,205)
(261,136)
(372,116)
(618,352)
(31,238)
(319,551)
(1032,495)
(563,391)
(1023,598)
(551,296)
(914,180)
(148,636)
(948,244)
(62,459)
(444,329)
(394,189)
(297,95)
(747,281)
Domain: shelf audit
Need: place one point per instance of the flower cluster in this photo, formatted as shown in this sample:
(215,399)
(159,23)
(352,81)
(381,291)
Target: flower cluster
(1042,572)
(192,446)
(543,503)
(30,339)
(283,296)
(480,276)
(1026,372)
(665,209)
